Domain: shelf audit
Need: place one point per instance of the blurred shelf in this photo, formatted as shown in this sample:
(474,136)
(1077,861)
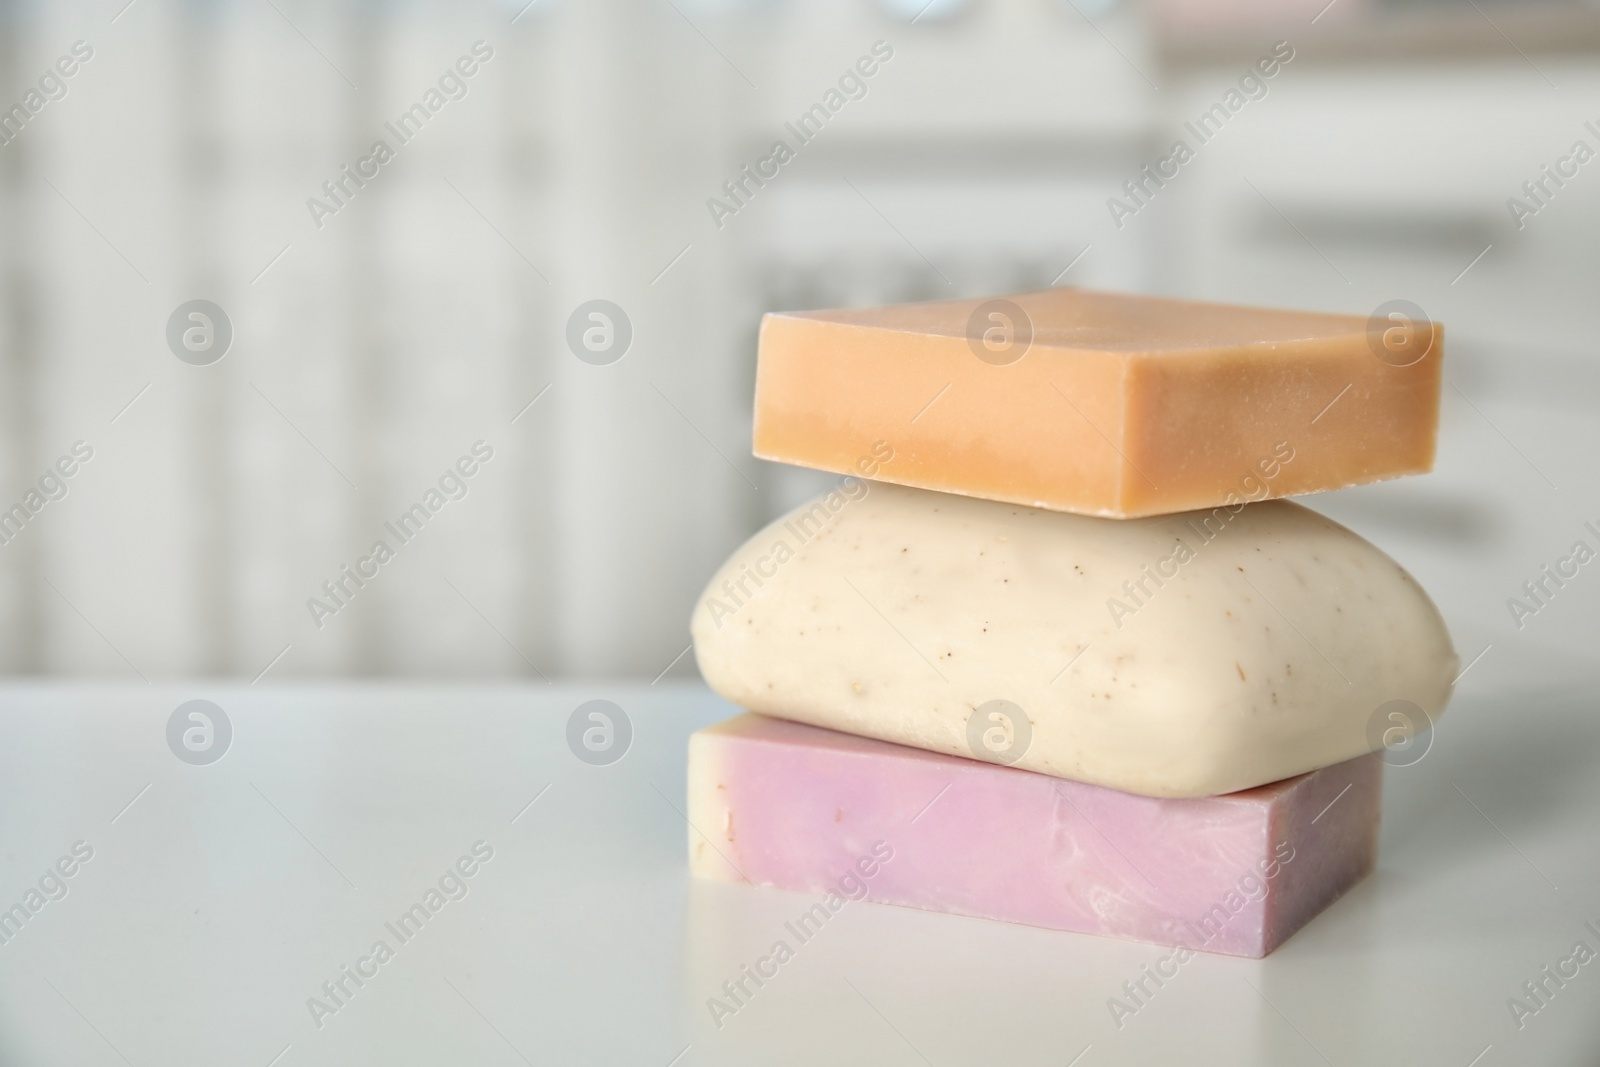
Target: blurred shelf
(1497,32)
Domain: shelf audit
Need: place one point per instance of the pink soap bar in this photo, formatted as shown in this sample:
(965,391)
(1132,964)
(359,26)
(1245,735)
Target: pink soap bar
(782,804)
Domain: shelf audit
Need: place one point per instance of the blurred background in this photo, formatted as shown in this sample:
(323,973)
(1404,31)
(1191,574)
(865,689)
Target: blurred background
(381,327)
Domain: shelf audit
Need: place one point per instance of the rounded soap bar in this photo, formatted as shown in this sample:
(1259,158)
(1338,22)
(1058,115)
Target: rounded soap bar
(1184,655)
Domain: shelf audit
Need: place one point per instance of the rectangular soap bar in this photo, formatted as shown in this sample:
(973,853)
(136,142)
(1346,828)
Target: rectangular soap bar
(1100,403)
(782,804)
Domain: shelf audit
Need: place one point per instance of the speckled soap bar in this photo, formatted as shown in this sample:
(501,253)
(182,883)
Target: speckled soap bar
(782,804)
(1179,656)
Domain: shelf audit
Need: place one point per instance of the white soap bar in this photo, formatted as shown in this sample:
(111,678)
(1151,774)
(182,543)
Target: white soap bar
(1178,656)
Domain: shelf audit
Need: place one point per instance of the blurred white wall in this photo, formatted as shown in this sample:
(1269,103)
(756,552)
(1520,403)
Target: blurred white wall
(372,352)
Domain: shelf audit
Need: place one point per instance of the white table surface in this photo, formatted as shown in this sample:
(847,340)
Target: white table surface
(223,896)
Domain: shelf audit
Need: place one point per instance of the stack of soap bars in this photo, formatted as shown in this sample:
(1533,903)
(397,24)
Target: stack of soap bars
(1052,652)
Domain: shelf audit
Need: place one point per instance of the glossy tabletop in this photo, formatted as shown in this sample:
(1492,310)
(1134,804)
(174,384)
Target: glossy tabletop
(533,907)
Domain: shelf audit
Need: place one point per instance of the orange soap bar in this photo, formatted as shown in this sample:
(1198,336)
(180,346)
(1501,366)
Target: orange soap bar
(1101,403)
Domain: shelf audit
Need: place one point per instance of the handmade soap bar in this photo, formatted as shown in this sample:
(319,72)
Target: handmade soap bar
(1180,656)
(1099,403)
(776,803)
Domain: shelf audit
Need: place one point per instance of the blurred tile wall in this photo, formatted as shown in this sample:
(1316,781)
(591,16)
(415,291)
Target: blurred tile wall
(374,345)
